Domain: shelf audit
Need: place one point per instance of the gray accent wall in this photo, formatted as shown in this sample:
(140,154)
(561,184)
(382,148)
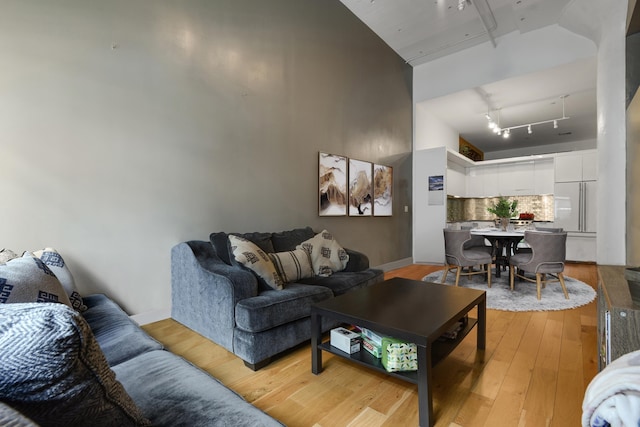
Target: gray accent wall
(128,126)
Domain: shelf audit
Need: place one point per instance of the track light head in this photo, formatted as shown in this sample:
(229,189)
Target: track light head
(529,131)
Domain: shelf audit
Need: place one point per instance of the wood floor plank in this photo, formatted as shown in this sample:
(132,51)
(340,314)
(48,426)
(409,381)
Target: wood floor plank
(533,373)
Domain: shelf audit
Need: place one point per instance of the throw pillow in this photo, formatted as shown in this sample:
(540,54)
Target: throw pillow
(54,372)
(327,256)
(254,258)
(54,261)
(28,279)
(288,240)
(7,255)
(292,265)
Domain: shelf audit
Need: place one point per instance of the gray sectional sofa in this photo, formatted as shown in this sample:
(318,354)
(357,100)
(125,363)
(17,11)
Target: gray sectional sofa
(225,302)
(166,389)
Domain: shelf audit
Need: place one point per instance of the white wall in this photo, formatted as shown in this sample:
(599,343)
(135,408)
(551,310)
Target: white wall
(428,219)
(432,132)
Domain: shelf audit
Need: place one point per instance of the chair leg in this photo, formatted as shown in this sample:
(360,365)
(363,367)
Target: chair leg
(511,276)
(488,275)
(538,283)
(458,274)
(446,271)
(564,288)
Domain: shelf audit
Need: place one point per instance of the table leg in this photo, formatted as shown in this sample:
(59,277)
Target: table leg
(316,339)
(482,324)
(425,403)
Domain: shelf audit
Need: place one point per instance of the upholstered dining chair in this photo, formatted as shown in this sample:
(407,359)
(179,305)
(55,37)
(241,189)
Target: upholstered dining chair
(457,257)
(476,242)
(547,256)
(523,247)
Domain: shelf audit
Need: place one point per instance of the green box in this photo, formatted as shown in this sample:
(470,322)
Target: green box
(398,355)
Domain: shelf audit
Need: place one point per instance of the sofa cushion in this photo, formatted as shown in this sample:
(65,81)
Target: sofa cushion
(54,261)
(275,308)
(172,392)
(28,279)
(119,337)
(220,242)
(327,256)
(288,240)
(344,281)
(256,259)
(261,240)
(292,265)
(53,371)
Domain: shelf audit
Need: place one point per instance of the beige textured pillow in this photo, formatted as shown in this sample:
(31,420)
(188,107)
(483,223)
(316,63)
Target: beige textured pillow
(254,258)
(292,265)
(327,256)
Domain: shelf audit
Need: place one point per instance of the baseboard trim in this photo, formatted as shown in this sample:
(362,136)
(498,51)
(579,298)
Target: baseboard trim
(395,264)
(151,316)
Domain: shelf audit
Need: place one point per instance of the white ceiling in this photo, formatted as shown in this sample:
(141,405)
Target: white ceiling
(423,30)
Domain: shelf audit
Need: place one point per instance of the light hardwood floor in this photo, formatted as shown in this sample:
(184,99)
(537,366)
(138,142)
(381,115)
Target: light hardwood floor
(535,370)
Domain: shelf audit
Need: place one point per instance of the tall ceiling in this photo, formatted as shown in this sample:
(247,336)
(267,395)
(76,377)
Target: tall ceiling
(424,30)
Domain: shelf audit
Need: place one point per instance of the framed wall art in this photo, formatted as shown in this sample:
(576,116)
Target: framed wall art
(332,185)
(382,190)
(360,188)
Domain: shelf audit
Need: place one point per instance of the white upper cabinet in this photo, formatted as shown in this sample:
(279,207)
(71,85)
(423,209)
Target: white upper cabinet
(543,176)
(590,166)
(576,166)
(456,181)
(516,179)
(482,181)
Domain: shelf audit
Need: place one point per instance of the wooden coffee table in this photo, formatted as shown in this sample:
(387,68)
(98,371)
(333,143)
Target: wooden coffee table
(413,311)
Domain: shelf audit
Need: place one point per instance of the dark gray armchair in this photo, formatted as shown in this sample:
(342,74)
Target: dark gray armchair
(547,256)
(457,257)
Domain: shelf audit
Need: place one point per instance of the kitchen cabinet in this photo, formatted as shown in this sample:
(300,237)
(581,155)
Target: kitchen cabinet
(576,166)
(543,176)
(520,178)
(456,181)
(516,179)
(482,181)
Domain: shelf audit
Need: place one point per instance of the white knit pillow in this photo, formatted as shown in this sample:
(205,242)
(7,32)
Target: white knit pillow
(54,261)
(327,256)
(292,265)
(28,279)
(254,258)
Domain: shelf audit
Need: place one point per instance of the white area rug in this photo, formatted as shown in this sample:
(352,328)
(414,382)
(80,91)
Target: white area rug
(523,297)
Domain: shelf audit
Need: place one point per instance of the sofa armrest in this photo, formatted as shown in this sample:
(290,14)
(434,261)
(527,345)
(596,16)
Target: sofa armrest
(205,291)
(357,261)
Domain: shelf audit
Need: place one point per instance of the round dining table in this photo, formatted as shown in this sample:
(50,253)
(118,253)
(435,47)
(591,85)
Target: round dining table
(503,242)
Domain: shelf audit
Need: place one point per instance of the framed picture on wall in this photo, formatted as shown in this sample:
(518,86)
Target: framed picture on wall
(332,185)
(382,190)
(360,188)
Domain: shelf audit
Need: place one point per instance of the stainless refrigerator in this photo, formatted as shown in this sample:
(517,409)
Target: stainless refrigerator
(575,206)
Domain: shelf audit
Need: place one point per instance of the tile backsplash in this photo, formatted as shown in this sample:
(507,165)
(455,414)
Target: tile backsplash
(475,208)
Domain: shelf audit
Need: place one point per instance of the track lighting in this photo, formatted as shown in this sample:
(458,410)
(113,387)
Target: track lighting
(507,131)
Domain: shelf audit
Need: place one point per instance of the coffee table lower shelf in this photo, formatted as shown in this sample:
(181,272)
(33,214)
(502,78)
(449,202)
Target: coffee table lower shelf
(439,350)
